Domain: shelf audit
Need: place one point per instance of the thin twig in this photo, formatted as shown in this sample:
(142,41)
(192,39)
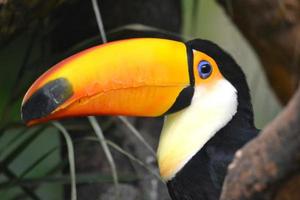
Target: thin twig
(92,119)
(137,134)
(70,156)
(106,150)
(128,155)
(147,28)
(99,20)
(133,158)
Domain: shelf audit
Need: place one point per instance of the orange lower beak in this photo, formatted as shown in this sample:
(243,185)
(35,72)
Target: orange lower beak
(136,77)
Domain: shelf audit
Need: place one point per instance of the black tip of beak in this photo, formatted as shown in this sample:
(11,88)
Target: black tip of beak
(46,99)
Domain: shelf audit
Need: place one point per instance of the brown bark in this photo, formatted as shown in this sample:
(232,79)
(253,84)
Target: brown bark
(273,29)
(269,166)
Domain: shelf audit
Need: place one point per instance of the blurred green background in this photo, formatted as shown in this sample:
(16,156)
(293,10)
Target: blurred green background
(31,156)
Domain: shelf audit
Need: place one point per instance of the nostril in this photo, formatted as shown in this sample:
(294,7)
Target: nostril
(46,99)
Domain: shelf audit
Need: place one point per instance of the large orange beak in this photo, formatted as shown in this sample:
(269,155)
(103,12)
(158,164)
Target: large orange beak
(136,77)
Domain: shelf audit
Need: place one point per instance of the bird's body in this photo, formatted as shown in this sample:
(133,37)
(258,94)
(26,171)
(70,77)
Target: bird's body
(203,175)
(198,87)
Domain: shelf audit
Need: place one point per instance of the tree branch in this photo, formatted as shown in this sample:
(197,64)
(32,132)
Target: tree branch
(273,28)
(268,167)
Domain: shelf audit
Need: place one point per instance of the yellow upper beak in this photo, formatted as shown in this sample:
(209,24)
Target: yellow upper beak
(136,77)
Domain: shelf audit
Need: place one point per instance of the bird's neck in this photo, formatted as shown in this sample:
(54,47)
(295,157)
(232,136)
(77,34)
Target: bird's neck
(202,177)
(186,132)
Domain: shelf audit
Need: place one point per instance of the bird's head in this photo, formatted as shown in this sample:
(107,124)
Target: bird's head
(144,77)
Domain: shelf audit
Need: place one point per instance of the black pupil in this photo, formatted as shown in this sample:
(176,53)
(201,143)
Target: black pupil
(205,68)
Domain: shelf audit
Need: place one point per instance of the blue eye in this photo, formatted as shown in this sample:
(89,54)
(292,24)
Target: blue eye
(204,69)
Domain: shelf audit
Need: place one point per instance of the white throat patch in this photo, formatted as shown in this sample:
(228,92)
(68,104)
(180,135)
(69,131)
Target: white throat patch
(186,132)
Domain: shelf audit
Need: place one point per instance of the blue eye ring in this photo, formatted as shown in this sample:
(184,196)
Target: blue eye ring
(204,69)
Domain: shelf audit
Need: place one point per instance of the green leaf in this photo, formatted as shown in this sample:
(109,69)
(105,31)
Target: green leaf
(65,179)
(20,148)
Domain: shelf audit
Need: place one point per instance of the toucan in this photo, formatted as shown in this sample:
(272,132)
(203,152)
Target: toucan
(197,86)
